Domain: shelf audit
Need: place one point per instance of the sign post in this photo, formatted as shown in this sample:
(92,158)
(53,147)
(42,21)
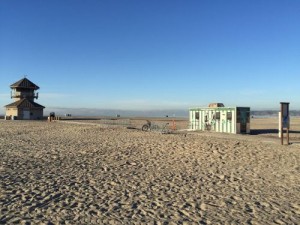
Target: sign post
(284,121)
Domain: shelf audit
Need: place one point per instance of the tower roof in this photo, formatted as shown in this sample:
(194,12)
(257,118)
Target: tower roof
(24,83)
(24,103)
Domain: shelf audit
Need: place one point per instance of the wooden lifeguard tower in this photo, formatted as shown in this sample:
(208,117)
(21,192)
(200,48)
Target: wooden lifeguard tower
(24,108)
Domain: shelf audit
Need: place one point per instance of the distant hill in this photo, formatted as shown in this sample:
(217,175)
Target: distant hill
(114,112)
(147,113)
(272,113)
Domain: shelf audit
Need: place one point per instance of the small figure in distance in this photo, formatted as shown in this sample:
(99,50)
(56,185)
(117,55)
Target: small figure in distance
(52,116)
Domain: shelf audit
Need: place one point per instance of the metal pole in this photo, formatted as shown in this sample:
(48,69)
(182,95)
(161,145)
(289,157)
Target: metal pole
(281,122)
(288,124)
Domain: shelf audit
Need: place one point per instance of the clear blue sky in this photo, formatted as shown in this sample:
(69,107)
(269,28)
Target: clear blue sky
(152,54)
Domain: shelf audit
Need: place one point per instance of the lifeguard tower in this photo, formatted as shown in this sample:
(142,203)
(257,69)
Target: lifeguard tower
(24,108)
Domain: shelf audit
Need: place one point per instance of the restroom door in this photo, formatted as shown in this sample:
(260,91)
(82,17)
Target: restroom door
(242,118)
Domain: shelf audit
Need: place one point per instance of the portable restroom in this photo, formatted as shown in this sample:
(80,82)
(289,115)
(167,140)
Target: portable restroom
(235,120)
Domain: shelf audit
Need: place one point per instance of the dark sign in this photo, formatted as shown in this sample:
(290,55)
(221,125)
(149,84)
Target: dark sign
(285,114)
(285,123)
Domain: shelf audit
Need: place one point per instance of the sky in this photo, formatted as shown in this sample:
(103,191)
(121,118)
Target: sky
(152,54)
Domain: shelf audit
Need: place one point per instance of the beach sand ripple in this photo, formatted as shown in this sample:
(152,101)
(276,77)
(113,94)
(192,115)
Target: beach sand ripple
(59,173)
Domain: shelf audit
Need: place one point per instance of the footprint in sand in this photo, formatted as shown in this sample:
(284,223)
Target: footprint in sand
(203,206)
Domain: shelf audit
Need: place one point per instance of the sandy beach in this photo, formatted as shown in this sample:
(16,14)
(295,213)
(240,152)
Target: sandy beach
(72,173)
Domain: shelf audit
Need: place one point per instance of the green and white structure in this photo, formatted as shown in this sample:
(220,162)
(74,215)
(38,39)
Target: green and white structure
(235,120)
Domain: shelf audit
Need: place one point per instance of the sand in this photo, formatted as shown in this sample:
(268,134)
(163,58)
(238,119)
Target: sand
(65,173)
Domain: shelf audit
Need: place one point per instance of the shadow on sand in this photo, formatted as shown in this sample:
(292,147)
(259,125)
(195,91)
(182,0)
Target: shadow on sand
(270,131)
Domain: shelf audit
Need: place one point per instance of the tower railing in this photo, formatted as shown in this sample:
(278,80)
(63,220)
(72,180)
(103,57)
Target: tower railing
(24,95)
